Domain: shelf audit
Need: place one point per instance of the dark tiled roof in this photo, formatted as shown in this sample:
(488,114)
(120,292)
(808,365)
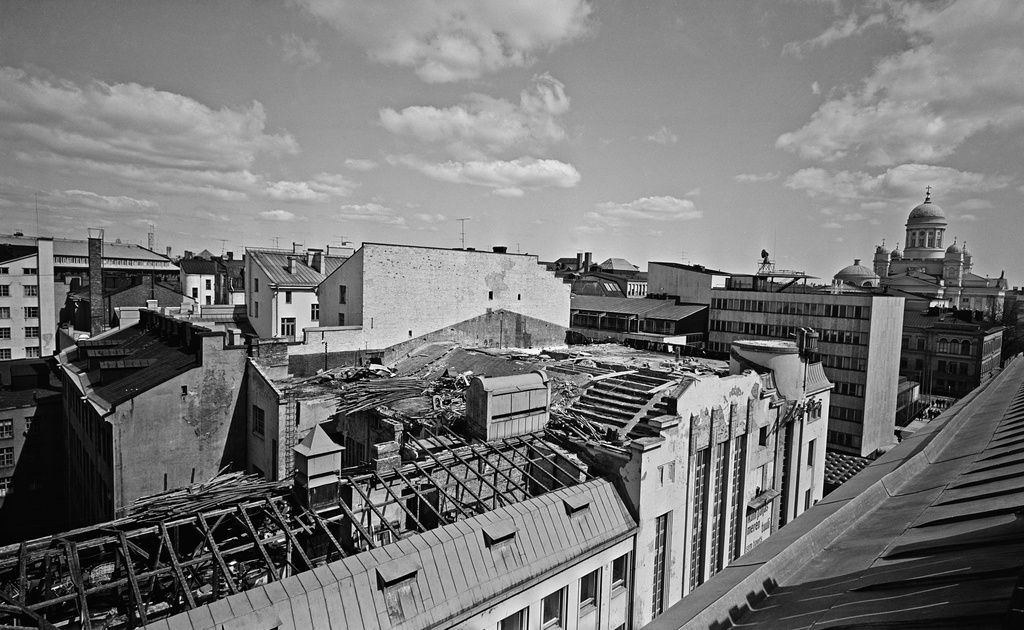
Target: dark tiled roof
(840,467)
(164,359)
(198,266)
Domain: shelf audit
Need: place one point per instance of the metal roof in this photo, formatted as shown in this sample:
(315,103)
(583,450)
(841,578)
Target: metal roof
(198,266)
(646,307)
(276,264)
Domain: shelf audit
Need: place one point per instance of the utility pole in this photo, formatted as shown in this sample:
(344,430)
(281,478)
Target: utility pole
(464,230)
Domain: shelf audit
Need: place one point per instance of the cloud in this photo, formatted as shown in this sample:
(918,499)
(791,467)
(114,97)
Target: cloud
(974,204)
(279,215)
(815,88)
(963,73)
(76,202)
(484,125)
(644,209)
(832,226)
(968,217)
(298,50)
(454,40)
(693,193)
(430,218)
(663,136)
(753,178)
(508,178)
(849,26)
(151,140)
(371,213)
(360,165)
(906,181)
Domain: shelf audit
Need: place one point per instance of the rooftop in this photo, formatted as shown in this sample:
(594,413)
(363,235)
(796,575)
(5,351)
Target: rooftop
(277,265)
(646,307)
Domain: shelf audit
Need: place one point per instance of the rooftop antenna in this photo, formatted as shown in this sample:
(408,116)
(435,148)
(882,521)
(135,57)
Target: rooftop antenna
(463,220)
(151,237)
(276,239)
(222,242)
(37,215)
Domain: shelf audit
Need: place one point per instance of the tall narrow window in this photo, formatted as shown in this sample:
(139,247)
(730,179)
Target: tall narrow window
(314,312)
(811,447)
(660,542)
(287,297)
(739,457)
(552,610)
(287,326)
(718,500)
(590,589)
(515,621)
(342,290)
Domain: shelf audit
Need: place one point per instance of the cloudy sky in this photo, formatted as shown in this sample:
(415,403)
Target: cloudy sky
(646,130)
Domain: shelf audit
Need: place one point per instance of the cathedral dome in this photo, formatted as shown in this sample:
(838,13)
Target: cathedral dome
(926,212)
(858,275)
(882,249)
(953,249)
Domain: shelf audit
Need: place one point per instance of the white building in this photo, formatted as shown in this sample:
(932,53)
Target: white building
(281,289)
(28,323)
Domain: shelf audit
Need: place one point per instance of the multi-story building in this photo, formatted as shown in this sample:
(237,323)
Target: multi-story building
(859,332)
(281,289)
(28,323)
(149,407)
(717,464)
(32,477)
(199,280)
(389,294)
(948,353)
(662,325)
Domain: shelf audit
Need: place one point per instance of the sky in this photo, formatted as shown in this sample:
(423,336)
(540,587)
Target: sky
(688,131)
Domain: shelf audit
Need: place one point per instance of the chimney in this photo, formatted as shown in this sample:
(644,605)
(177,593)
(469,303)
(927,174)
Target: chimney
(168,251)
(95,281)
(296,248)
(231,255)
(579,261)
(317,260)
(188,255)
(292,265)
(151,305)
(587,261)
(500,249)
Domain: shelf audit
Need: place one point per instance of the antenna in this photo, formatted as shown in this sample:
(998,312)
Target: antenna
(151,237)
(222,242)
(275,239)
(464,230)
(37,215)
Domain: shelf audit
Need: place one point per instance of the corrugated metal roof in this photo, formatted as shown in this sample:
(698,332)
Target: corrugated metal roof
(452,571)
(277,265)
(198,266)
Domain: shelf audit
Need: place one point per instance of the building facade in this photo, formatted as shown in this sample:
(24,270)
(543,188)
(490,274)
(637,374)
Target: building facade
(28,322)
(281,289)
(947,355)
(389,294)
(858,332)
(154,406)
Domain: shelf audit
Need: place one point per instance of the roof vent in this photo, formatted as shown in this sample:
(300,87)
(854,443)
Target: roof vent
(500,249)
(499,532)
(399,570)
(577,504)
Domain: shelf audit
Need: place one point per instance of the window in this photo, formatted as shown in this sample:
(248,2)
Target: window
(920,343)
(342,290)
(258,420)
(5,354)
(762,436)
(209,284)
(288,326)
(32,352)
(31,312)
(515,621)
(667,473)
(5,486)
(29,271)
(7,456)
(490,295)
(5,290)
(5,312)
(810,452)
(341,319)
(256,309)
(6,428)
(195,293)
(31,332)
(4,271)
(314,312)
(589,588)
(287,297)
(28,423)
(209,300)
(5,333)
(256,284)
(660,540)
(552,610)
(620,571)
(31,290)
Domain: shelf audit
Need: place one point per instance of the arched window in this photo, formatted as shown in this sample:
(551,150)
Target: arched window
(931,238)
(965,347)
(938,238)
(943,345)
(912,239)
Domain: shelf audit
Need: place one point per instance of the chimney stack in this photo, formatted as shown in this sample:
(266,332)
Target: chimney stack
(587,261)
(231,255)
(296,248)
(579,261)
(95,281)
(500,249)
(317,259)
(292,265)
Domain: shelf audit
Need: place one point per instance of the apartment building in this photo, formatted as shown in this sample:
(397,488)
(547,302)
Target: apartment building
(28,323)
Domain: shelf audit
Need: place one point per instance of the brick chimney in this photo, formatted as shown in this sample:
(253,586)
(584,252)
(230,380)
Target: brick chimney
(95,281)
(292,265)
(579,261)
(587,261)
